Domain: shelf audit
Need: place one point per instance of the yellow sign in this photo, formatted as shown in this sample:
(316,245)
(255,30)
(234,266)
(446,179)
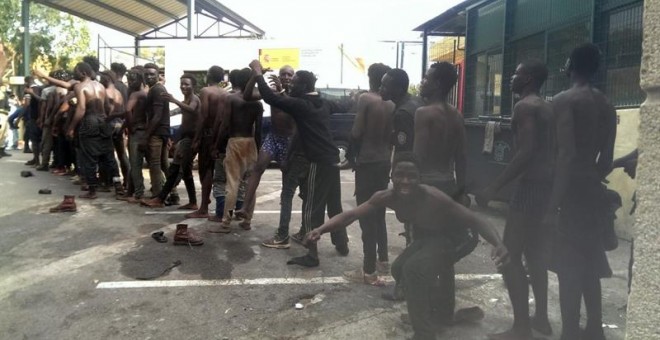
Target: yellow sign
(275,58)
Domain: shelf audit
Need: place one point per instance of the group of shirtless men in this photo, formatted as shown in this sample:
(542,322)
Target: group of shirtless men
(564,151)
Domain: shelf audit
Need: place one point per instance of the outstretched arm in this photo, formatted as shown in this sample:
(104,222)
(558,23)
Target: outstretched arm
(347,217)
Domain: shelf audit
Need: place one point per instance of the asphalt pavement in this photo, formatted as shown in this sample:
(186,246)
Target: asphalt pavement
(97,274)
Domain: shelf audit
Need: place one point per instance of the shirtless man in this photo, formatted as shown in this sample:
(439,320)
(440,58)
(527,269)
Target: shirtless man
(371,138)
(586,131)
(116,110)
(240,125)
(136,122)
(183,155)
(93,132)
(212,100)
(431,212)
(533,127)
(274,148)
(439,145)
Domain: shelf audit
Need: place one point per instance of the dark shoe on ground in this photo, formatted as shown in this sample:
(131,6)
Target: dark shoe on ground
(159,236)
(395,295)
(305,261)
(67,205)
(42,167)
(542,326)
(172,200)
(184,236)
(276,242)
(27,150)
(25,173)
(245,225)
(342,249)
(45,191)
(31,162)
(4,153)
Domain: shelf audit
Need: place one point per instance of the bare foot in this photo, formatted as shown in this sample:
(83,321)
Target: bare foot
(221,229)
(214,218)
(89,195)
(189,206)
(152,203)
(245,225)
(542,325)
(198,214)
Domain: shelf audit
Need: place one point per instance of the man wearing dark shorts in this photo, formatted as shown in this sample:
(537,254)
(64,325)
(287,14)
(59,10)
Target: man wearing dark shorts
(525,234)
(586,131)
(311,114)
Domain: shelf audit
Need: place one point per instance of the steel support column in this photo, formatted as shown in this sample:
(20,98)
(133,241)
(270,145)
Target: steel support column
(25,23)
(191,15)
(425,52)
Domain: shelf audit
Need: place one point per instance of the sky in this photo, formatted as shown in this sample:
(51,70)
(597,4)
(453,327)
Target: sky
(313,20)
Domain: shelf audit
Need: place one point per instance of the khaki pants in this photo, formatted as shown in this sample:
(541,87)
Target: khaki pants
(241,155)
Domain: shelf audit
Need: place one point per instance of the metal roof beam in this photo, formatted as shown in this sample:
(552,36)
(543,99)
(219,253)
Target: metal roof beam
(157,9)
(122,13)
(83,16)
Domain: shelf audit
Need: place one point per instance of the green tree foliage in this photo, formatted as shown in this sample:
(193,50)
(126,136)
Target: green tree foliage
(57,39)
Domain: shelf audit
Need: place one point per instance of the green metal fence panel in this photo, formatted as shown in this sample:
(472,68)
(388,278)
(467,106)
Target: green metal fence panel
(561,43)
(488,26)
(611,4)
(530,16)
(566,11)
(623,54)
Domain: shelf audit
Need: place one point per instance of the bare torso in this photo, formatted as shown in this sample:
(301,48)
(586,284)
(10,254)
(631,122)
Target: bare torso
(282,124)
(439,133)
(190,119)
(372,128)
(95,97)
(244,116)
(539,111)
(593,132)
(115,100)
(212,101)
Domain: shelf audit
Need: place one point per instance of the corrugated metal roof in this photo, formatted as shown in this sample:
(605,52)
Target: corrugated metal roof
(449,22)
(135,17)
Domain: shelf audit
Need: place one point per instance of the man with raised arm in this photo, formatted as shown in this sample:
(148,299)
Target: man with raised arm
(311,114)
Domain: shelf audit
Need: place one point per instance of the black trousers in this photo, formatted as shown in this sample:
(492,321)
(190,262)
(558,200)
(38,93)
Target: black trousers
(322,190)
(425,268)
(370,178)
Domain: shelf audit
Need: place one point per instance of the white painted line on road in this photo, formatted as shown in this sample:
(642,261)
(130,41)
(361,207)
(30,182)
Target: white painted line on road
(269,197)
(14,161)
(260,282)
(256,212)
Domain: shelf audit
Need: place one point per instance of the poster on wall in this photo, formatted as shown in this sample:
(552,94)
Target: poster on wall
(275,58)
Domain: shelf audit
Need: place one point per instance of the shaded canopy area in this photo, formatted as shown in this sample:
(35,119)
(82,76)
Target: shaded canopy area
(161,19)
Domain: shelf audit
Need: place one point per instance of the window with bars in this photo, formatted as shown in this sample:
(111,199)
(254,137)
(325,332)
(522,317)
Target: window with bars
(484,89)
(624,52)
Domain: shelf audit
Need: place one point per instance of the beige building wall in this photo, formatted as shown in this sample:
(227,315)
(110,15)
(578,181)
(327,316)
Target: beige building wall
(627,136)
